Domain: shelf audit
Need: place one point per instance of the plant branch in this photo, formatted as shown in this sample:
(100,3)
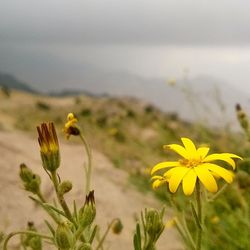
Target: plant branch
(61,198)
(88,169)
(199,216)
(24,232)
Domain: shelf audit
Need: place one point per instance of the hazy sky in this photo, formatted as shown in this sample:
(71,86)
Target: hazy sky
(51,43)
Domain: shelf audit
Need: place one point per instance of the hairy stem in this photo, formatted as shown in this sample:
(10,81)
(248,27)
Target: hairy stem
(61,198)
(199,215)
(40,196)
(89,164)
(24,232)
(182,225)
(105,234)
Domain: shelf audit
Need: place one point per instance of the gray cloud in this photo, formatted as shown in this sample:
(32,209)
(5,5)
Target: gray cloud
(189,22)
(61,43)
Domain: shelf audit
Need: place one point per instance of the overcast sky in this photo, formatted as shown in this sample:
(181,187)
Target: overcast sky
(50,43)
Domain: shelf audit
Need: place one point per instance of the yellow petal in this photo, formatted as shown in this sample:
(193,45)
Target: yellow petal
(169,173)
(157,183)
(178,149)
(222,172)
(176,178)
(188,182)
(215,175)
(221,157)
(156,177)
(190,147)
(206,179)
(232,155)
(163,165)
(202,152)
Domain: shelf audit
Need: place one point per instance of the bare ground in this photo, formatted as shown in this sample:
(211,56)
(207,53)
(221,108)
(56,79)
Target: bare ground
(114,196)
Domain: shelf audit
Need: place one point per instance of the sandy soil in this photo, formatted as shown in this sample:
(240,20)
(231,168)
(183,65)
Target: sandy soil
(114,196)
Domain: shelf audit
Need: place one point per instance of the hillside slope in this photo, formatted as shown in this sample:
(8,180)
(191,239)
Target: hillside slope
(126,135)
(9,81)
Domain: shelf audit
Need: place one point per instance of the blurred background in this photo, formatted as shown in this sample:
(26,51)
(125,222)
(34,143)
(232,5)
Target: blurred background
(168,52)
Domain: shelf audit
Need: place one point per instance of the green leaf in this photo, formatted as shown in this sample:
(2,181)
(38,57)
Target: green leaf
(75,212)
(137,238)
(50,228)
(93,234)
(49,211)
(60,212)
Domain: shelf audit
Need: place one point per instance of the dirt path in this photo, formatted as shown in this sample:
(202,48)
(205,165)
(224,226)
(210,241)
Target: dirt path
(114,197)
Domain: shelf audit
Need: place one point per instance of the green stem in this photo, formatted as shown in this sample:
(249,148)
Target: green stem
(43,201)
(188,234)
(78,232)
(180,230)
(195,216)
(199,215)
(61,198)
(89,165)
(183,229)
(105,234)
(24,232)
(40,196)
(51,213)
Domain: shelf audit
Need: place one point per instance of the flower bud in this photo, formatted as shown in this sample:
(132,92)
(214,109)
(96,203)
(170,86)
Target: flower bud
(154,225)
(30,180)
(242,117)
(117,226)
(88,212)
(33,242)
(171,223)
(64,237)
(64,187)
(25,174)
(49,146)
(84,246)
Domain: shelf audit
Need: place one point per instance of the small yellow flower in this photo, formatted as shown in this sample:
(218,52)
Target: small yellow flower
(49,146)
(70,127)
(215,220)
(171,82)
(195,163)
(113,131)
(171,223)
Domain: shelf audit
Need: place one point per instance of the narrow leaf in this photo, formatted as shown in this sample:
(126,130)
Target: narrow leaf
(50,228)
(55,209)
(195,216)
(75,211)
(93,234)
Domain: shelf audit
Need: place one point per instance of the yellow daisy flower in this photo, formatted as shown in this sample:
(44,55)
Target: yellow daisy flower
(70,127)
(195,163)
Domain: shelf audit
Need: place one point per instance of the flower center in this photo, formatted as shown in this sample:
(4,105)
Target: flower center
(190,163)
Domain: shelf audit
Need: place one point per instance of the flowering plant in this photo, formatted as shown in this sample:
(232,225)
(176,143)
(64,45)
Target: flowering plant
(193,168)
